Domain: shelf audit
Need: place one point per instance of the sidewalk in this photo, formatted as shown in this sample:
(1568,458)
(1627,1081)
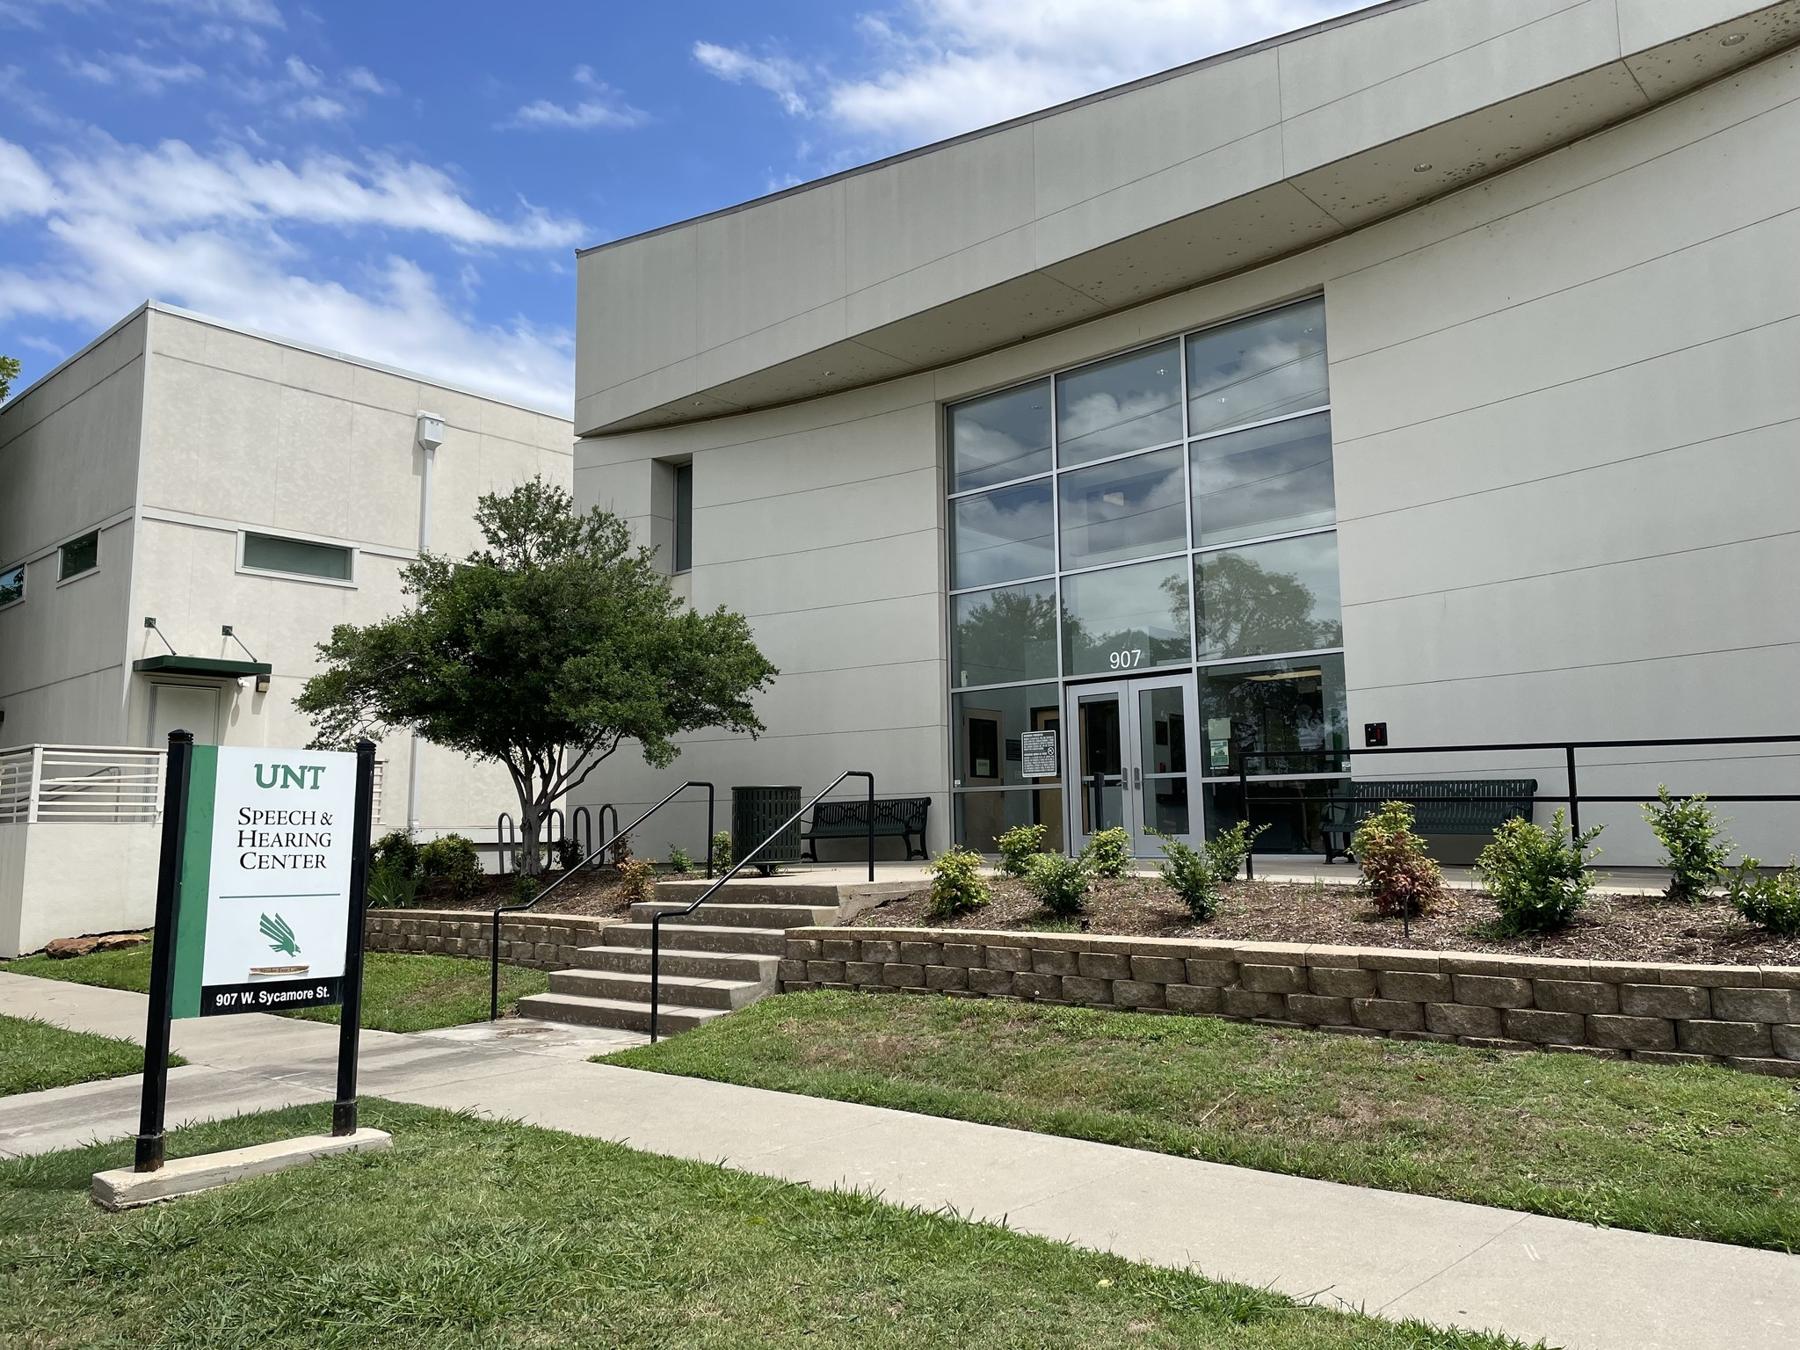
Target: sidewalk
(1396,1255)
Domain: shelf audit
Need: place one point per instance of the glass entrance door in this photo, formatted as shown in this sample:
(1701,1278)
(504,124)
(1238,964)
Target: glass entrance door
(1133,745)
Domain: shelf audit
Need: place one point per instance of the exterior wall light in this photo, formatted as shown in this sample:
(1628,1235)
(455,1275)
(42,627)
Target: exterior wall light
(431,430)
(1731,39)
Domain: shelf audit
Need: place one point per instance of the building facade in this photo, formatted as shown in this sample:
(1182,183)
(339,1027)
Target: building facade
(1427,374)
(179,478)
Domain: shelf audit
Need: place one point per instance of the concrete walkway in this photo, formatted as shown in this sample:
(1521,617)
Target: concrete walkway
(1396,1255)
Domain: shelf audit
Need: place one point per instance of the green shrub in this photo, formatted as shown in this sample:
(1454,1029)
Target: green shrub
(637,879)
(1538,877)
(1108,853)
(526,888)
(956,883)
(1694,846)
(452,865)
(681,862)
(621,850)
(398,852)
(1060,884)
(568,853)
(1402,881)
(389,888)
(1769,900)
(1228,849)
(721,852)
(1198,876)
(1017,846)
(1189,873)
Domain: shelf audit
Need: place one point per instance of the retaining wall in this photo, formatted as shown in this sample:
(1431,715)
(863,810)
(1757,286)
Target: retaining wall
(539,941)
(1745,1016)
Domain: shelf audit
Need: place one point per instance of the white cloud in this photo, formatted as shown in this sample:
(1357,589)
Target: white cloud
(940,67)
(262,12)
(307,77)
(317,108)
(365,81)
(605,108)
(132,71)
(206,232)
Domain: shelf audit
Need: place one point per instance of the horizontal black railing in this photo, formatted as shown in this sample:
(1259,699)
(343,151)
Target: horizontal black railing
(738,865)
(494,934)
(1573,798)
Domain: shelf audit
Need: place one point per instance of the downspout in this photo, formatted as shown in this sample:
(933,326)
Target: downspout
(431,435)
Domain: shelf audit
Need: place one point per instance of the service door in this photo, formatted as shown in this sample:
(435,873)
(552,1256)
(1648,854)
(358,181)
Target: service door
(184,707)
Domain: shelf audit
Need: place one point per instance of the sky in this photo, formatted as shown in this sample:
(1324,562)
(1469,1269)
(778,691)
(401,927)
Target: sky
(408,180)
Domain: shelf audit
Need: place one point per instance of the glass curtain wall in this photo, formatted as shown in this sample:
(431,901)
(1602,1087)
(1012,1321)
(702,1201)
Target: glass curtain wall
(1166,509)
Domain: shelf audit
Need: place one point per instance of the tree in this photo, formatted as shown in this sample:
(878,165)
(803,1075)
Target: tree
(545,651)
(9,371)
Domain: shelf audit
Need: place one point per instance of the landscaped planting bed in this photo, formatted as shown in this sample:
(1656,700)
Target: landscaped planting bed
(1610,928)
(483,1233)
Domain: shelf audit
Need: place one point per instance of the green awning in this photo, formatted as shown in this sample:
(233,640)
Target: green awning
(218,667)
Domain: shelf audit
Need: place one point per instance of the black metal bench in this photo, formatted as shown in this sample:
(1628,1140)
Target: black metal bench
(1440,806)
(895,818)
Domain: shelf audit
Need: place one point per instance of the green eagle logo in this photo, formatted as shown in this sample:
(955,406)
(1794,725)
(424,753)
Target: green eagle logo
(280,935)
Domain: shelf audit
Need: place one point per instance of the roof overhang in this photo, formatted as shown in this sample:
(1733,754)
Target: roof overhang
(210,667)
(1045,222)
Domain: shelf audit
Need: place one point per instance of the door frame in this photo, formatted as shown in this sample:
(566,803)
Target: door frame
(1127,692)
(214,736)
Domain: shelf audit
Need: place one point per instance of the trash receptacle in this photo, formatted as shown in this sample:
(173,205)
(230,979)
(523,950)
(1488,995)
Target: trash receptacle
(755,812)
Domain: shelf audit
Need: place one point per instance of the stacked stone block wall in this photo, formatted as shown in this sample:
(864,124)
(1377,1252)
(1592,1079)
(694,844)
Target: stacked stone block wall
(1747,1017)
(538,941)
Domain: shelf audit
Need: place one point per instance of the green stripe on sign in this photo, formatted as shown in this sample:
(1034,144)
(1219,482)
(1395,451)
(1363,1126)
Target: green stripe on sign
(196,879)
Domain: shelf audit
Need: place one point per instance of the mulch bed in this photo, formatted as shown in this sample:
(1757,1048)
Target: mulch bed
(593,891)
(1613,928)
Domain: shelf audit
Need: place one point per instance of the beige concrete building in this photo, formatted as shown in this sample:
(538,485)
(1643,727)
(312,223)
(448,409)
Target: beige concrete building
(183,471)
(1429,371)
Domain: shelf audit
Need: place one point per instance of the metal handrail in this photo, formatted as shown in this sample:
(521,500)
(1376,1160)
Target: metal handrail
(738,865)
(1573,798)
(494,935)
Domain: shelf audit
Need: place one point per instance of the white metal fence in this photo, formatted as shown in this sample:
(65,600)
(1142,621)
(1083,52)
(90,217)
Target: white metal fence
(96,783)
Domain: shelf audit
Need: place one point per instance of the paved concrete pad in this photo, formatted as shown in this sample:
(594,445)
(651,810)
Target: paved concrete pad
(122,1188)
(1399,1255)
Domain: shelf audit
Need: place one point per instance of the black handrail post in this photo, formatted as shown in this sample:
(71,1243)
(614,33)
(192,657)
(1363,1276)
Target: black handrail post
(494,970)
(343,1109)
(176,768)
(1574,796)
(655,969)
(871,831)
(1244,801)
(710,795)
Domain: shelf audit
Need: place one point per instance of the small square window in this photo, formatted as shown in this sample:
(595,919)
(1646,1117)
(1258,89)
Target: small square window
(12,585)
(78,556)
(296,557)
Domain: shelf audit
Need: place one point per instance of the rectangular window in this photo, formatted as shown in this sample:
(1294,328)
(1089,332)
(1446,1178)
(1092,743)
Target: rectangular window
(1001,437)
(12,585)
(684,516)
(1126,508)
(1271,707)
(296,557)
(1126,618)
(1265,599)
(1004,636)
(989,730)
(1258,368)
(78,556)
(1273,479)
(1001,536)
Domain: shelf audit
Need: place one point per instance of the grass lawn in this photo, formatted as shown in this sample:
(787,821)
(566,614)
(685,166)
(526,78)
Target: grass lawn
(35,1055)
(1687,1151)
(400,992)
(475,1233)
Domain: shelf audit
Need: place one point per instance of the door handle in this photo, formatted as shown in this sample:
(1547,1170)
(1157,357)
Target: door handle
(1137,776)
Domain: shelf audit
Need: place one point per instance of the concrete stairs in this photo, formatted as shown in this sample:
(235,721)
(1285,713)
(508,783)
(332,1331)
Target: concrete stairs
(721,957)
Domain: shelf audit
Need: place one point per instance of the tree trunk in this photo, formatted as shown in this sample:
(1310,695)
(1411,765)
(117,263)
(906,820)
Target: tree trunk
(530,824)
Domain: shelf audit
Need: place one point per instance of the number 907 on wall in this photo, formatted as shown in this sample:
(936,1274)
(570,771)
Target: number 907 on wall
(1126,658)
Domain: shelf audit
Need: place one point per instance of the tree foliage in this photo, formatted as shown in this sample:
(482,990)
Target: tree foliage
(9,371)
(545,650)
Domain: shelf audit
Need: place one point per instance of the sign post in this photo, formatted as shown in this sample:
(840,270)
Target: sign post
(260,901)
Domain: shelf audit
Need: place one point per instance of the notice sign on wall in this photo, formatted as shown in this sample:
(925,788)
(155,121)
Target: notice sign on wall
(1037,751)
(264,899)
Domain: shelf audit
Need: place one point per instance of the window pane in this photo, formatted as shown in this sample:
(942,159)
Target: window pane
(987,729)
(1268,480)
(12,585)
(1294,812)
(269,553)
(982,817)
(1127,403)
(1001,535)
(684,517)
(1278,597)
(78,556)
(1004,635)
(1126,618)
(1000,437)
(1264,708)
(1130,508)
(1257,368)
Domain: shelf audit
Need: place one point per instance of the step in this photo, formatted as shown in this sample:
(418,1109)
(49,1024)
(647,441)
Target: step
(687,991)
(739,892)
(696,937)
(678,961)
(716,914)
(611,1012)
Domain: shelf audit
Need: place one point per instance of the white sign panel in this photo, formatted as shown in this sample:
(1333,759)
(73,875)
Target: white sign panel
(1037,751)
